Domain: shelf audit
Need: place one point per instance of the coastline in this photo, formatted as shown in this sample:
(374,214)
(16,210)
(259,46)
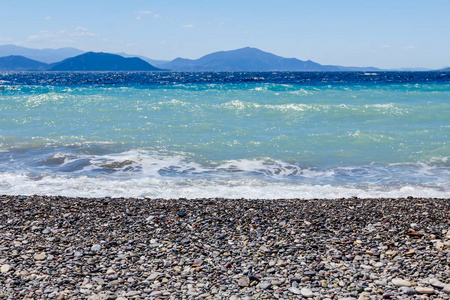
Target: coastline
(126,248)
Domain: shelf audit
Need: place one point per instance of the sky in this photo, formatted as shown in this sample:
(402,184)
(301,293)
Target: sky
(379,33)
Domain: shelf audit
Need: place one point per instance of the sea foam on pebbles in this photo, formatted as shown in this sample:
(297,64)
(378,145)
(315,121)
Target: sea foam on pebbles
(121,248)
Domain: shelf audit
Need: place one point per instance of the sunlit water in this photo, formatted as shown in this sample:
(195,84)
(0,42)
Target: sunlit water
(237,135)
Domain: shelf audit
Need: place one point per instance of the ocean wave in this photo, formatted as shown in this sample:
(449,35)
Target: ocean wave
(230,130)
(187,78)
(85,186)
(357,110)
(98,161)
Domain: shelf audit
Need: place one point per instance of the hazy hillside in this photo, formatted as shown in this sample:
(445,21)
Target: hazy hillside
(20,63)
(250,59)
(98,61)
(42,55)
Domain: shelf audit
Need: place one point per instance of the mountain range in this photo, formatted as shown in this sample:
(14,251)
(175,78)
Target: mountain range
(16,58)
(154,62)
(89,61)
(42,55)
(251,59)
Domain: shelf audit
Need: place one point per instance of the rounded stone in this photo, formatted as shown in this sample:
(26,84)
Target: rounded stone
(295,290)
(400,282)
(408,290)
(436,283)
(424,290)
(446,289)
(40,256)
(265,285)
(244,282)
(96,247)
(153,276)
(306,292)
(5,268)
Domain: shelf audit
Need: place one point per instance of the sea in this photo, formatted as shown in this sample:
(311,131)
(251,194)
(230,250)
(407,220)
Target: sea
(250,135)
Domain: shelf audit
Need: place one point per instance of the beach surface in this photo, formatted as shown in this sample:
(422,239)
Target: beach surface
(124,248)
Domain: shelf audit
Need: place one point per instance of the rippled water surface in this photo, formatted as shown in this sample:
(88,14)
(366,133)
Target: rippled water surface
(251,135)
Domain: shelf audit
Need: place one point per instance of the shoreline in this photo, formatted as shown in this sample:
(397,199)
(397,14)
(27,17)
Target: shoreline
(126,248)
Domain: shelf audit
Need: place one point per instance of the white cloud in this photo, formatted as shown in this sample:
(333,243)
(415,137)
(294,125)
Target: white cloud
(157,16)
(45,35)
(143,12)
(47,18)
(81,32)
(188,26)
(385,46)
(409,47)
(63,37)
(6,40)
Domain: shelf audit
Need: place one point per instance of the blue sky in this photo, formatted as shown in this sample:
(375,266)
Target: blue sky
(380,33)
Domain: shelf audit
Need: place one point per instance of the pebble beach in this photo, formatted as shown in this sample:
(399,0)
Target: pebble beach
(124,248)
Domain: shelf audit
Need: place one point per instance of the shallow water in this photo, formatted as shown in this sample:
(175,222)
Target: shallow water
(250,135)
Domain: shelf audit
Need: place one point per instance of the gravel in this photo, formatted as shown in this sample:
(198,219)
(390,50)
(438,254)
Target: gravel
(120,248)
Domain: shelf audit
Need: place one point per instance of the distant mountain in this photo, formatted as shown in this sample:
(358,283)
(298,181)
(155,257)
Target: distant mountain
(445,70)
(358,69)
(43,55)
(153,62)
(251,59)
(20,63)
(410,70)
(99,61)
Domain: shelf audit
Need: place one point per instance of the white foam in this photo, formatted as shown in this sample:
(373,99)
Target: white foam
(241,105)
(303,107)
(139,173)
(272,168)
(84,186)
(145,163)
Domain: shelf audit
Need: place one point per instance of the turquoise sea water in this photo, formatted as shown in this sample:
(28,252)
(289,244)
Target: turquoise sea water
(255,135)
